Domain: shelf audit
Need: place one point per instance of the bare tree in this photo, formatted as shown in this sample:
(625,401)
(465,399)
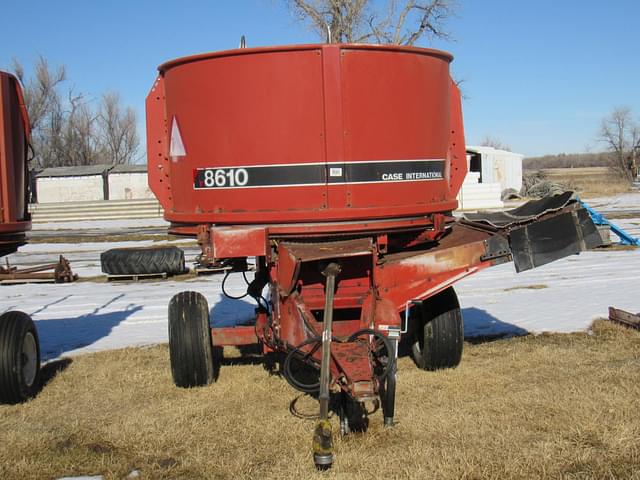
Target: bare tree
(40,92)
(400,22)
(119,136)
(621,133)
(68,129)
(489,141)
(82,146)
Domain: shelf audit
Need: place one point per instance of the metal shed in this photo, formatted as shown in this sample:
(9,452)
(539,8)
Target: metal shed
(496,166)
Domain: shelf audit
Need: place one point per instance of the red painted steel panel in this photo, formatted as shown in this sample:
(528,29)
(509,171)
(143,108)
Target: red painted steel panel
(14,138)
(239,241)
(247,110)
(222,336)
(458,152)
(312,133)
(396,107)
(158,165)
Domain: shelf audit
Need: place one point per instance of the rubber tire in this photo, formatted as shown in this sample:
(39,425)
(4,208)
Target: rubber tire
(190,347)
(439,333)
(14,328)
(134,261)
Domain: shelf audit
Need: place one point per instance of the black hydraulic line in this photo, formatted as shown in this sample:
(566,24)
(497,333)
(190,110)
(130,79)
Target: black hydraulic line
(224,292)
(251,291)
(387,345)
(286,367)
(293,409)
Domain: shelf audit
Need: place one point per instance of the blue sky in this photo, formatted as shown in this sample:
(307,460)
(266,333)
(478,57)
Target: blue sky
(539,75)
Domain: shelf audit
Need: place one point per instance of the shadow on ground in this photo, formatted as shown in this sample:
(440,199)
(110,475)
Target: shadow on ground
(480,326)
(50,370)
(61,335)
(232,313)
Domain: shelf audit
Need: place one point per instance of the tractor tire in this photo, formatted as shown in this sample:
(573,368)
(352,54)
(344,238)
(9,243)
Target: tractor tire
(19,358)
(190,347)
(438,334)
(140,261)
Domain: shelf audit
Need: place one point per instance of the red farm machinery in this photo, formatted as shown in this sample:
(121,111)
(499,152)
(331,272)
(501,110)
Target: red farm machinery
(335,167)
(19,345)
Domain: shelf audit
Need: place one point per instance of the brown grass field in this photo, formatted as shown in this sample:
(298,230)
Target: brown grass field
(588,181)
(546,406)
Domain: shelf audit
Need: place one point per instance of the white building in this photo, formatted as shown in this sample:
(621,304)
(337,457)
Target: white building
(490,173)
(129,182)
(92,183)
(496,166)
(71,184)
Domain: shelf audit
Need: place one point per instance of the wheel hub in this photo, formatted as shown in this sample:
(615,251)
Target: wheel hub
(29,359)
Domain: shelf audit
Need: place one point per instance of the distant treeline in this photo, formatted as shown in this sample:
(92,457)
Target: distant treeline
(567,160)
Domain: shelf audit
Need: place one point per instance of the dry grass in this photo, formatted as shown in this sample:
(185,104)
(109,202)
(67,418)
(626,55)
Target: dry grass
(588,181)
(549,406)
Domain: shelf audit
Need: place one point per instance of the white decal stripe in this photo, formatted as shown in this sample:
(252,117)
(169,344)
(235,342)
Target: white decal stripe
(267,165)
(340,184)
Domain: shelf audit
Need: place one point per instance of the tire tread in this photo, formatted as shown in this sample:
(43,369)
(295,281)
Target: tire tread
(133,261)
(190,348)
(442,328)
(14,325)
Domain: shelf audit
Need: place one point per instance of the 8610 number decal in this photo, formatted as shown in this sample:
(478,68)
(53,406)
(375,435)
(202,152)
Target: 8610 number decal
(221,177)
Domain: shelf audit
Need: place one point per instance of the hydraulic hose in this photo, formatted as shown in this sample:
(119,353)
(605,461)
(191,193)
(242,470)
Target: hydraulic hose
(387,345)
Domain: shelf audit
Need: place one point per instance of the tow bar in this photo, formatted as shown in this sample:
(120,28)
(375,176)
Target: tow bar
(322,435)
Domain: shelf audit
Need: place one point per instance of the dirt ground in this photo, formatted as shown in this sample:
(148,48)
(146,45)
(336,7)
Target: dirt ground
(546,406)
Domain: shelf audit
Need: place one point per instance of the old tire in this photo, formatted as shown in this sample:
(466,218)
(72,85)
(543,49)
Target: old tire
(19,357)
(140,261)
(438,333)
(190,347)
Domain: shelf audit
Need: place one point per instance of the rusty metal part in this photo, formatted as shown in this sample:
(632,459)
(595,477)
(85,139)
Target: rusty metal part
(242,335)
(291,257)
(354,362)
(61,273)
(625,318)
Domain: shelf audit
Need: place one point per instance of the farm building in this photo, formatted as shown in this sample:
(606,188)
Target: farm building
(479,196)
(71,184)
(91,183)
(496,166)
(491,172)
(98,192)
(128,182)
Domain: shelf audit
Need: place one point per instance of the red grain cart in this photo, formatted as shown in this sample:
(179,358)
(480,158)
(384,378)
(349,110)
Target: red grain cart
(337,168)
(19,346)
